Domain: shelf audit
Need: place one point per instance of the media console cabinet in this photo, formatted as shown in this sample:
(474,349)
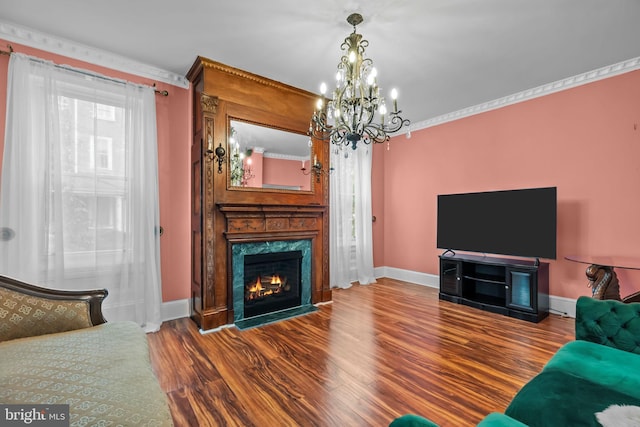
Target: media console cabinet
(512,287)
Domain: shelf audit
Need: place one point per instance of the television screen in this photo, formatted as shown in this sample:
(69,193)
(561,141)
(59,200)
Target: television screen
(512,222)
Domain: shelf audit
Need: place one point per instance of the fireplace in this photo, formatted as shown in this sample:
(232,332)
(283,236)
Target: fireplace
(270,277)
(272,282)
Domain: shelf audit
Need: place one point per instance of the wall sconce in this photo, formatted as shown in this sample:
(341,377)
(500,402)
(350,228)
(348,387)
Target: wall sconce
(219,153)
(316,169)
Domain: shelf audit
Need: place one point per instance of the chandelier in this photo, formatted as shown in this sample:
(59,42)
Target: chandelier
(355,112)
(241,171)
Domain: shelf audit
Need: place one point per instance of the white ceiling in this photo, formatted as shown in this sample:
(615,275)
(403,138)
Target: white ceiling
(441,55)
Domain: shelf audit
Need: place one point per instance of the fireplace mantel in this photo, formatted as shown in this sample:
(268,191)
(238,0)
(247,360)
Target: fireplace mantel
(224,215)
(270,221)
(260,223)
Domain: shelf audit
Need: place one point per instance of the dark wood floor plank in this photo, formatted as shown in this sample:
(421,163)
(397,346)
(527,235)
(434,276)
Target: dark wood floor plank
(375,353)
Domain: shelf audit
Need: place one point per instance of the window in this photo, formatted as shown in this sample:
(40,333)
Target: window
(82,216)
(105,112)
(101,153)
(93,179)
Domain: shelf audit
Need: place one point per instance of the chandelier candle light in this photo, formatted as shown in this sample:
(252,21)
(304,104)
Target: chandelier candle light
(240,162)
(356,112)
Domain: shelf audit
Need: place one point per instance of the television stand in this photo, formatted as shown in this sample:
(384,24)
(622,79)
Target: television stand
(512,287)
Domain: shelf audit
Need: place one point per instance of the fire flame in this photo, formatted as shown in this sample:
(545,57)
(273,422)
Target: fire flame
(257,287)
(257,290)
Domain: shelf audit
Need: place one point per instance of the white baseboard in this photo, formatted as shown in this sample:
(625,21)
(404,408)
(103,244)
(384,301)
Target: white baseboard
(563,306)
(430,280)
(174,309)
(557,305)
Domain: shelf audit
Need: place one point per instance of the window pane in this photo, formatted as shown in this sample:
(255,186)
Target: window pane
(105,112)
(93,182)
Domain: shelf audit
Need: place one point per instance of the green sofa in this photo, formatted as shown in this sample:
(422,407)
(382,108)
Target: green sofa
(599,369)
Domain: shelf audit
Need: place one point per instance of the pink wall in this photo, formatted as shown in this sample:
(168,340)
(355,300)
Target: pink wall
(585,141)
(378,198)
(285,172)
(173,113)
(256,164)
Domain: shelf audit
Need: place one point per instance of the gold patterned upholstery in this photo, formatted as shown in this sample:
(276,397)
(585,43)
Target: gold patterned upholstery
(103,373)
(23,315)
(55,348)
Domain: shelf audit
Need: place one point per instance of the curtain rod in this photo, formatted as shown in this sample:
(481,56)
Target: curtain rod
(87,73)
(9,52)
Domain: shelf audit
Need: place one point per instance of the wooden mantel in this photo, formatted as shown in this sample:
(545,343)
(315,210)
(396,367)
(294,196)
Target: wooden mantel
(254,221)
(223,215)
(257,223)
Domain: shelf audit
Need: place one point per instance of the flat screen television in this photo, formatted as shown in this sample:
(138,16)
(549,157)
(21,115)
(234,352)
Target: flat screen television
(510,222)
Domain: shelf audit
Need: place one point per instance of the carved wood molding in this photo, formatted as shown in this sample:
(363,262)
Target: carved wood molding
(243,225)
(270,219)
(208,63)
(208,217)
(209,103)
(266,209)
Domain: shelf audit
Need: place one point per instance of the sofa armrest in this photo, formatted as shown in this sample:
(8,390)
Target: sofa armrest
(28,310)
(609,322)
(496,419)
(412,420)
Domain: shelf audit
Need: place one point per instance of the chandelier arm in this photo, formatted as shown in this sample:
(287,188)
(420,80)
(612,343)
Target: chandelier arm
(339,137)
(337,133)
(366,66)
(362,105)
(319,122)
(376,134)
(396,123)
(344,109)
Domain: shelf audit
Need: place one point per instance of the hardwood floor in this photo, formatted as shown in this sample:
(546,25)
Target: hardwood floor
(375,353)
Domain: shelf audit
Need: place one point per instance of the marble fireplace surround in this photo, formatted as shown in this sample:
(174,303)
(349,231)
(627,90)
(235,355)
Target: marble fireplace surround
(240,250)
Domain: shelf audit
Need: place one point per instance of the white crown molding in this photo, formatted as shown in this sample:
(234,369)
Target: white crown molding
(570,82)
(38,40)
(282,156)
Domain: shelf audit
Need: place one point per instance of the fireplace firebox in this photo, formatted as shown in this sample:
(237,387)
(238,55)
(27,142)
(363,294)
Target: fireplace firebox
(272,282)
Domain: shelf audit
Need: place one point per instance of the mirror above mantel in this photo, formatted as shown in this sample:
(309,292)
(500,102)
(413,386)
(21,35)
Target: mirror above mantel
(264,157)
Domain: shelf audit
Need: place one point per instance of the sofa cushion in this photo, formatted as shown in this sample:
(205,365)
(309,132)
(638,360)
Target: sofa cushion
(412,420)
(609,322)
(103,373)
(496,419)
(24,315)
(602,365)
(556,398)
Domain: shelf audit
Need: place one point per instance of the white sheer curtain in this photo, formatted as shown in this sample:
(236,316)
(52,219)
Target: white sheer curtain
(351,242)
(79,190)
